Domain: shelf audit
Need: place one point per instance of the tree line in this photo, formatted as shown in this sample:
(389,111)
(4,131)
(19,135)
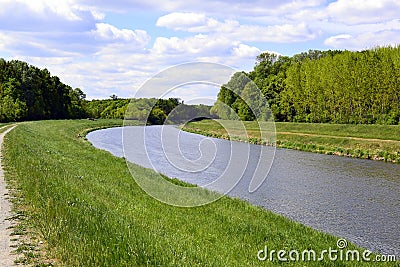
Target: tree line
(30,93)
(317,86)
(148,110)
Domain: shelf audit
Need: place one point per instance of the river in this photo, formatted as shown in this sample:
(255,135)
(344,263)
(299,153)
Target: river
(351,198)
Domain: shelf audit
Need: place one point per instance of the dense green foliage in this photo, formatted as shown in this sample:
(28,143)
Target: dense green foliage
(150,110)
(87,209)
(239,99)
(321,86)
(107,108)
(29,93)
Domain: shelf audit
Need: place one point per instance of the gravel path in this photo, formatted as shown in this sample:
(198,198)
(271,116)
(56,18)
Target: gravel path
(6,256)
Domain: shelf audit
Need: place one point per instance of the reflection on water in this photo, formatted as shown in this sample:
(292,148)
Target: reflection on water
(351,198)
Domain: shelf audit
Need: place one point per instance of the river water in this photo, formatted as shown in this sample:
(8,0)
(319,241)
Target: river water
(351,198)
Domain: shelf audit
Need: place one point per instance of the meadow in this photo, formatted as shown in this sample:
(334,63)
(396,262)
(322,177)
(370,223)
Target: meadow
(80,206)
(377,142)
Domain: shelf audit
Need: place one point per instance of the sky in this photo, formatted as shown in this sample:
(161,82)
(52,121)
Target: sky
(113,47)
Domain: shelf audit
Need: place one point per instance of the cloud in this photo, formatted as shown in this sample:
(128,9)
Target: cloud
(199,44)
(46,15)
(107,32)
(84,42)
(38,44)
(245,51)
(72,44)
(73,41)
(365,36)
(99,76)
(338,40)
(178,21)
(114,68)
(308,15)
(198,93)
(363,11)
(364,41)
(285,33)
(188,75)
(201,47)
(225,8)
(65,28)
(233,30)
(64,9)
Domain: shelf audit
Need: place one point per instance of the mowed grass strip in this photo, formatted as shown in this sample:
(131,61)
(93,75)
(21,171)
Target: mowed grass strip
(378,142)
(87,209)
(4,126)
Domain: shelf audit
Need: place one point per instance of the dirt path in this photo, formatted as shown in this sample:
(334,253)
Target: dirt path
(340,137)
(6,256)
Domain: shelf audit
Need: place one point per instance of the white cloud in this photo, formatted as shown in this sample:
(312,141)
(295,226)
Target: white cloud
(71,39)
(100,76)
(72,44)
(198,93)
(308,15)
(233,30)
(337,40)
(116,69)
(192,74)
(46,15)
(364,41)
(63,9)
(225,8)
(363,11)
(201,47)
(284,33)
(38,44)
(79,41)
(245,51)
(199,44)
(108,32)
(191,22)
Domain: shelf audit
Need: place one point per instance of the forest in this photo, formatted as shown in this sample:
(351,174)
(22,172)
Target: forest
(317,86)
(148,110)
(30,93)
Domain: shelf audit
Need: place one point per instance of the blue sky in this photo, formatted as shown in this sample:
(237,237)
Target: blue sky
(112,47)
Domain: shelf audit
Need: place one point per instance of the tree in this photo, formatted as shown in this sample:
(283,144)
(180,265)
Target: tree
(35,94)
(156,116)
(12,110)
(321,86)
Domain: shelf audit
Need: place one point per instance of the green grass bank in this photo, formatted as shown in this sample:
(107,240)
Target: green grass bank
(377,142)
(81,207)
(4,126)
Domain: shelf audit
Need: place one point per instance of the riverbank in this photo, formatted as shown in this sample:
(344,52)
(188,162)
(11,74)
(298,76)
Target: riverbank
(376,142)
(81,207)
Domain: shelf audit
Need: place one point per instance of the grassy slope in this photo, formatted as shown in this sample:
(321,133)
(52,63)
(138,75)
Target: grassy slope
(86,207)
(4,126)
(379,142)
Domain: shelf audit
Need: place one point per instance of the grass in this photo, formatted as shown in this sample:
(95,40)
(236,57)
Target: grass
(4,126)
(81,207)
(377,142)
